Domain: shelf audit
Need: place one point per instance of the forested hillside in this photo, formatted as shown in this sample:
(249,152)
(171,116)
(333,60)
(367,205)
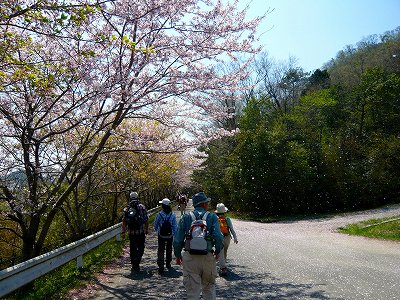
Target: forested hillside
(326,141)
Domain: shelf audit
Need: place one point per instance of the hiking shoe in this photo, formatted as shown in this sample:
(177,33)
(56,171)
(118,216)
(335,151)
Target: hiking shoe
(135,268)
(160,270)
(223,272)
(168,266)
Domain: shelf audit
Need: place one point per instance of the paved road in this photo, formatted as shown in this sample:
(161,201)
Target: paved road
(287,260)
(309,260)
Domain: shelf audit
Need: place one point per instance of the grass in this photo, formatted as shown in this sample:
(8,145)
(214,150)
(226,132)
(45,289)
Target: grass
(374,228)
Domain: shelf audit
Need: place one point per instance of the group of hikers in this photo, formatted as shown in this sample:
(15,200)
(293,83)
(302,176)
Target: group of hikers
(199,241)
(182,201)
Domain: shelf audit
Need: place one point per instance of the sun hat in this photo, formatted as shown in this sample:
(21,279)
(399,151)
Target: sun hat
(199,198)
(165,201)
(221,208)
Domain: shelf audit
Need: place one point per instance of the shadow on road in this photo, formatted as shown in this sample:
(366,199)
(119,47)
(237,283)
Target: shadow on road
(242,283)
(146,284)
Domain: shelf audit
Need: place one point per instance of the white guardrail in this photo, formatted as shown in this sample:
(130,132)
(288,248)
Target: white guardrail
(17,276)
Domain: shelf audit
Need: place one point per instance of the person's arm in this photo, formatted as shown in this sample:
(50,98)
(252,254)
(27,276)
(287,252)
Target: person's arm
(174,224)
(178,241)
(146,221)
(231,230)
(217,235)
(157,222)
(123,229)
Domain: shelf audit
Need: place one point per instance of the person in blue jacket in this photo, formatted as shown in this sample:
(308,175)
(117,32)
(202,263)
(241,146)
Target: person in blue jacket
(165,234)
(199,271)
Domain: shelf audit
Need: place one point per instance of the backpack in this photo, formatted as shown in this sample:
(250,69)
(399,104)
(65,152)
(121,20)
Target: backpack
(133,217)
(223,225)
(166,227)
(198,235)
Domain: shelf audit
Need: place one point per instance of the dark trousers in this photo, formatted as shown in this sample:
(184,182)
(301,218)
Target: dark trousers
(136,248)
(164,246)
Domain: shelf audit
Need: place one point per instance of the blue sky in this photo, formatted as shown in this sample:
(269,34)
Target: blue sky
(315,30)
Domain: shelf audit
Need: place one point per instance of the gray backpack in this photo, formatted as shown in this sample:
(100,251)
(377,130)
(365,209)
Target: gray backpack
(198,235)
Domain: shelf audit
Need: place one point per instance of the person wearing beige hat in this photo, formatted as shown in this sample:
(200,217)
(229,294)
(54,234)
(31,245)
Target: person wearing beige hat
(227,230)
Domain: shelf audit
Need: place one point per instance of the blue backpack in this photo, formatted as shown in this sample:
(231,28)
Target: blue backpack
(166,226)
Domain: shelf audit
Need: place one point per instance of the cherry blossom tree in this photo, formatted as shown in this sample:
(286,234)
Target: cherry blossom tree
(149,165)
(71,73)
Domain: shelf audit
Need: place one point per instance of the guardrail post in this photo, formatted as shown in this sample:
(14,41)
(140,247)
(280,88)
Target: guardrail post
(79,262)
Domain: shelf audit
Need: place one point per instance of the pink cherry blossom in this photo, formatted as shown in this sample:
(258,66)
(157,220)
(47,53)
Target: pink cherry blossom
(72,73)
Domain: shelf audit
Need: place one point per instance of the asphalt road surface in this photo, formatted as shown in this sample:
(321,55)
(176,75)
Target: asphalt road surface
(304,259)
